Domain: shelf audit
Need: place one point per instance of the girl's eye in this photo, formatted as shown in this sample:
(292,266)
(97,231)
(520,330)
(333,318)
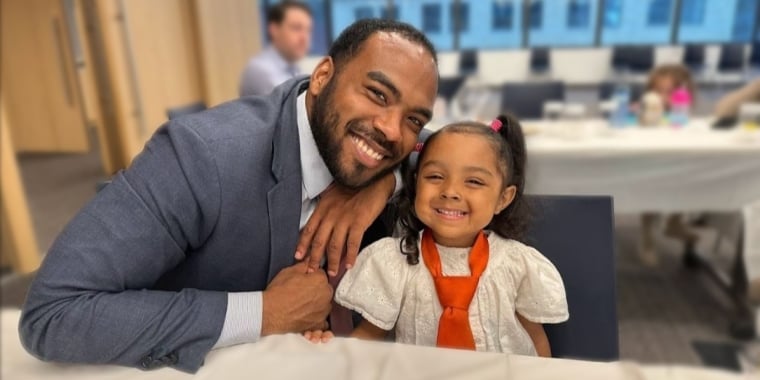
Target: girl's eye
(433,176)
(475,182)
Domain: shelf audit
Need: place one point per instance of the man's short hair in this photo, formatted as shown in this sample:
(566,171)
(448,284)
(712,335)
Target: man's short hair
(276,12)
(351,40)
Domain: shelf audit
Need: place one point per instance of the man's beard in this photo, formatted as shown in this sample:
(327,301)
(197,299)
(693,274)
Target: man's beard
(324,120)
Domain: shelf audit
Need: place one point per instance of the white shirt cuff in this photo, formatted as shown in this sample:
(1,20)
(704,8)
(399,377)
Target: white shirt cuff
(399,181)
(242,322)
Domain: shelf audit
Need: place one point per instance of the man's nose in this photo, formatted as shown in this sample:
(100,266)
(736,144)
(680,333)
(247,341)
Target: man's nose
(390,125)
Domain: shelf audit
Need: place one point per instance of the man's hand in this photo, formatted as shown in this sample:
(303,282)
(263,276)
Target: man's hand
(339,222)
(296,301)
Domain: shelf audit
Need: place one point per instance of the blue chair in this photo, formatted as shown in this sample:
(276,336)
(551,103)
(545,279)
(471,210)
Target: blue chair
(576,233)
(754,56)
(636,59)
(187,109)
(448,87)
(468,62)
(731,58)
(539,60)
(694,57)
(526,100)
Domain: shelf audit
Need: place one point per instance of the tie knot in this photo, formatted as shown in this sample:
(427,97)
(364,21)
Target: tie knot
(458,292)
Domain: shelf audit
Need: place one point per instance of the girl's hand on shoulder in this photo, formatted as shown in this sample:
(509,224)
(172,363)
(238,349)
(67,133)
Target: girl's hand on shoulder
(318,336)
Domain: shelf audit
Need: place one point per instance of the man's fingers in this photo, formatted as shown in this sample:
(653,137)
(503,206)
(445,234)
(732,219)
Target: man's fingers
(319,243)
(335,249)
(352,246)
(307,234)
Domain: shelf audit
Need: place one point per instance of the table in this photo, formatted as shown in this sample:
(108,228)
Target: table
(647,169)
(292,357)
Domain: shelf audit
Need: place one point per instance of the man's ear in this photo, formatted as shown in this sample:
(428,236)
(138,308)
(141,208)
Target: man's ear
(321,75)
(506,198)
(273,31)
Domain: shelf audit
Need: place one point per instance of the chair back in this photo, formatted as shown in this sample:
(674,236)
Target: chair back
(576,233)
(526,100)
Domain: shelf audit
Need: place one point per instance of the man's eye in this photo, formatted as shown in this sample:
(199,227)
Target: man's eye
(379,95)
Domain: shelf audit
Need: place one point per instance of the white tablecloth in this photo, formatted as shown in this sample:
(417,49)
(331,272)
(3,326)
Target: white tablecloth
(292,357)
(661,170)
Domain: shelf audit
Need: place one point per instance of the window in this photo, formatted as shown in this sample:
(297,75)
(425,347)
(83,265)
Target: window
(578,14)
(460,13)
(692,12)
(659,13)
(389,13)
(716,21)
(498,24)
(629,22)
(345,12)
(536,17)
(565,26)
(431,18)
(502,13)
(613,13)
(503,31)
(746,11)
(362,13)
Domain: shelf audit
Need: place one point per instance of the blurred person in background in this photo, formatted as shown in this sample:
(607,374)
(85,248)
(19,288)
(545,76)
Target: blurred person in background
(728,106)
(289,25)
(664,80)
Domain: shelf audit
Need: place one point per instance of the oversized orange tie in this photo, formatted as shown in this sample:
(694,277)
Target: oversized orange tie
(455,292)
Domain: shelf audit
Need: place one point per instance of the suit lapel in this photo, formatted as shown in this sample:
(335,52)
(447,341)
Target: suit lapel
(284,206)
(284,199)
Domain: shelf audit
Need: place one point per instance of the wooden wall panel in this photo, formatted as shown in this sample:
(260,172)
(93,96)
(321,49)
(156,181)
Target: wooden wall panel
(228,35)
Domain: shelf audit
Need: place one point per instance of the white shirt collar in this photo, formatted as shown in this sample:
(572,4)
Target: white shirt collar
(314,172)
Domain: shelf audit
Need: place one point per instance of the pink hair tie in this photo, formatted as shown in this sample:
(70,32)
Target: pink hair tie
(496,125)
(418,147)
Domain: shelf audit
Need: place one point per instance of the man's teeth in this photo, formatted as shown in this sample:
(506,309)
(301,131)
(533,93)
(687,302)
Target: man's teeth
(366,149)
(450,212)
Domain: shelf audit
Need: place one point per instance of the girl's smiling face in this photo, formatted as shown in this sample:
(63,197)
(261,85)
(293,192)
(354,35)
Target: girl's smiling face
(459,188)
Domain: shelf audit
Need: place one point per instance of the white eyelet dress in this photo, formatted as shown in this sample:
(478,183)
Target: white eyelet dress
(388,292)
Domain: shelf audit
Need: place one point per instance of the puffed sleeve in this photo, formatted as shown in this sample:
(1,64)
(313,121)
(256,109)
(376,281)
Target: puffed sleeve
(541,293)
(374,286)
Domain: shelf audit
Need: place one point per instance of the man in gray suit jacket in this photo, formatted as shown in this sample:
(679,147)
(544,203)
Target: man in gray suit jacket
(192,248)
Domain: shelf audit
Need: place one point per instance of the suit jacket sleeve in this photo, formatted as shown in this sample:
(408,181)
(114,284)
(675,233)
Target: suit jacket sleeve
(90,302)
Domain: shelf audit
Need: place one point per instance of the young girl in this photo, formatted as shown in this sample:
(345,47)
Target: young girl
(456,277)
(664,80)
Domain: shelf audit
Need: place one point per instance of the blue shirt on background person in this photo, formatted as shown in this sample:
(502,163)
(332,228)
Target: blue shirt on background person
(289,26)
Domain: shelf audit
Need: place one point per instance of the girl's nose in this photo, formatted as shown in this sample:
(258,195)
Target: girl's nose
(450,193)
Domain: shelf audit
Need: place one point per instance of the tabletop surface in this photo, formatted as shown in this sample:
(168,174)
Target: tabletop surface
(291,356)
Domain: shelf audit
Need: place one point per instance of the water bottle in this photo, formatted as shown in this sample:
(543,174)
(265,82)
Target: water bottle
(680,106)
(622,100)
